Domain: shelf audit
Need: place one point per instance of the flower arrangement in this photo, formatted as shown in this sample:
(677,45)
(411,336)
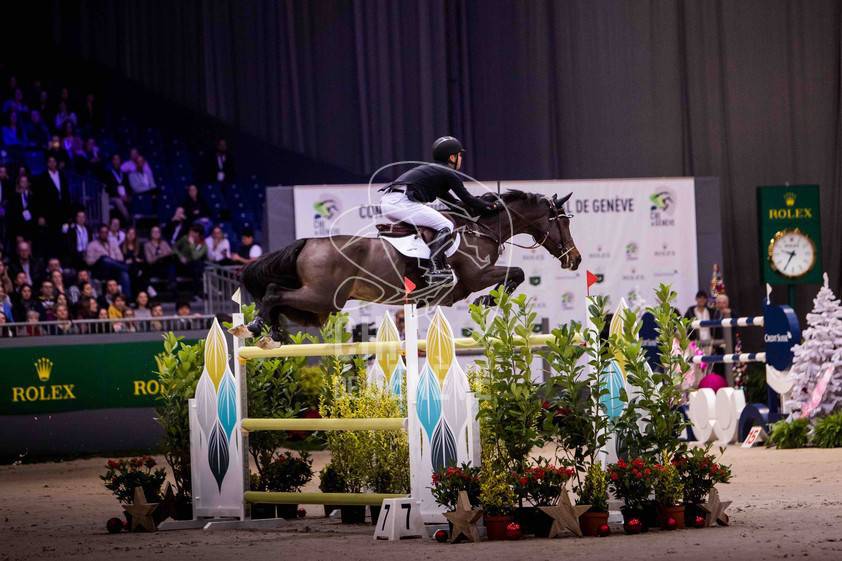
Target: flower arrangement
(631,482)
(542,484)
(449,481)
(123,475)
(699,473)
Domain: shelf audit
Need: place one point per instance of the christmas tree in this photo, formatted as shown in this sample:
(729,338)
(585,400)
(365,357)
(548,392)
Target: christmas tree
(822,344)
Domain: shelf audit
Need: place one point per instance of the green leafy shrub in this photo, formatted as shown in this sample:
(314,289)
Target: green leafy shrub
(595,489)
(792,434)
(496,488)
(700,472)
(828,431)
(179,368)
(285,473)
(330,481)
(669,491)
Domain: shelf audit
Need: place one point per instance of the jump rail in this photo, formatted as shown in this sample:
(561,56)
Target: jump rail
(748,321)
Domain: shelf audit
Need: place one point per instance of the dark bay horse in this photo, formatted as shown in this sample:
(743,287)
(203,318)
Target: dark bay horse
(311,278)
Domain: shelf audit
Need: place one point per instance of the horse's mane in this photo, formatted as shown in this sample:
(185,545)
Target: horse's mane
(513,195)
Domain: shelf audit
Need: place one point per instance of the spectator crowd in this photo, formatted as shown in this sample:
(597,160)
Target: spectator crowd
(57,267)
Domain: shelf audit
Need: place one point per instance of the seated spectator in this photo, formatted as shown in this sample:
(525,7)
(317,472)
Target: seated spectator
(64,115)
(15,104)
(91,154)
(5,303)
(177,226)
(47,300)
(24,302)
(78,237)
(5,279)
(33,324)
(129,326)
(57,278)
(219,250)
(72,145)
(131,164)
(141,178)
(37,133)
(5,331)
(157,311)
(249,250)
(159,257)
(20,280)
(13,133)
(106,260)
(132,255)
(117,307)
(183,312)
(44,107)
(64,325)
(220,166)
(88,308)
(141,305)
(116,235)
(77,290)
(85,292)
(104,326)
(24,262)
(112,290)
(55,150)
(116,185)
(192,251)
(89,118)
(194,206)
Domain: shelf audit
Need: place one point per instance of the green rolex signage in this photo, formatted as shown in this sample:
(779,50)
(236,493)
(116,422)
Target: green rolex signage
(54,378)
(790,234)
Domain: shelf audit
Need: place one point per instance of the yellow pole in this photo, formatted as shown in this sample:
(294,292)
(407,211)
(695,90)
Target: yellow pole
(345,424)
(341,499)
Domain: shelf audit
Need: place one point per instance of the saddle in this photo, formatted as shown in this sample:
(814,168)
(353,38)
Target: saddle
(403,229)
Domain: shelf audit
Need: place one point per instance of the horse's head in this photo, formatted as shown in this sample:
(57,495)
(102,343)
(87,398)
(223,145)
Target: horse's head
(547,221)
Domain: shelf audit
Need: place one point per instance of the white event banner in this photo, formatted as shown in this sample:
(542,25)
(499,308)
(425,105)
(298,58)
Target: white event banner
(632,233)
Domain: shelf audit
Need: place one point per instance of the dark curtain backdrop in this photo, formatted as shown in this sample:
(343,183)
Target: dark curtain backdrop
(746,90)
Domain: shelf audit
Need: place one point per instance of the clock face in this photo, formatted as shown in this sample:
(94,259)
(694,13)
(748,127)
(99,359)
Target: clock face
(792,253)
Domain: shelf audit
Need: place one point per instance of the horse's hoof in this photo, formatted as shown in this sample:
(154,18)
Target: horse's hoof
(240,332)
(267,343)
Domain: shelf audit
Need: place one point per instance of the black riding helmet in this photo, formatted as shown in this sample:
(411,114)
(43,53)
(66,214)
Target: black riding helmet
(445,147)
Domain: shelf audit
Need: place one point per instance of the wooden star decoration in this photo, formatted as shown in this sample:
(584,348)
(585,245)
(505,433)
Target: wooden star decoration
(464,519)
(715,509)
(565,515)
(141,512)
(167,507)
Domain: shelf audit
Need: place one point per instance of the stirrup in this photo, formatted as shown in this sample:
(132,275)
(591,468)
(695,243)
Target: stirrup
(444,277)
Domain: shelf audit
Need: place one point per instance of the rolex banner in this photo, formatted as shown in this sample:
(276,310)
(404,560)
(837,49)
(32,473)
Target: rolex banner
(633,234)
(55,378)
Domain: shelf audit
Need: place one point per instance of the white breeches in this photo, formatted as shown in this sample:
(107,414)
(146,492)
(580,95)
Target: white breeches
(396,207)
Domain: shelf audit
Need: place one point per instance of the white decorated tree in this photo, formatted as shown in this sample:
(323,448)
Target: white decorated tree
(822,344)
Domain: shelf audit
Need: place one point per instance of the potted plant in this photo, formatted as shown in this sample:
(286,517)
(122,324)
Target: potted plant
(331,482)
(669,493)
(179,368)
(632,483)
(285,473)
(122,476)
(594,493)
(497,498)
(450,481)
(699,473)
(541,485)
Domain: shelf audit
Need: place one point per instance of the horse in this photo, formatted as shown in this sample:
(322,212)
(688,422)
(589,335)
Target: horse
(311,278)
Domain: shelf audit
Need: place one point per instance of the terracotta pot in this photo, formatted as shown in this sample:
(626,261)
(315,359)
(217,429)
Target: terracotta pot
(495,526)
(591,521)
(677,512)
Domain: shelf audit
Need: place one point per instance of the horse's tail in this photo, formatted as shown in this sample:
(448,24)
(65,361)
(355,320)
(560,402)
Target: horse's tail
(277,267)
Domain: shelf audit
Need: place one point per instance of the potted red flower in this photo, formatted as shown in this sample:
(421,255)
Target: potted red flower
(123,475)
(632,483)
(700,473)
(540,485)
(449,481)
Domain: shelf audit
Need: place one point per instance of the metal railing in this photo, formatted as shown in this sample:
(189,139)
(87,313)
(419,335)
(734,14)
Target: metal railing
(106,326)
(220,283)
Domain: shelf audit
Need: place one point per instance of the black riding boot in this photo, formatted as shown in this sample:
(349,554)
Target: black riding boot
(440,271)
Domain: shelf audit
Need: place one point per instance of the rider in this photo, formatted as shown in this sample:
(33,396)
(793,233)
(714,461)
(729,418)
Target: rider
(406,197)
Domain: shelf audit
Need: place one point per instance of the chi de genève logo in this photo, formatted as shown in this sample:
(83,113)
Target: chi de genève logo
(662,207)
(535,280)
(43,392)
(632,250)
(326,208)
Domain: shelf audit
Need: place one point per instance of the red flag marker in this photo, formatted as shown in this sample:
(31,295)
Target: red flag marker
(408,285)
(591,279)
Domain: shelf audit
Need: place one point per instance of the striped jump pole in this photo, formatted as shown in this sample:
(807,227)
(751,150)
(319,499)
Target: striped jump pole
(730,358)
(749,321)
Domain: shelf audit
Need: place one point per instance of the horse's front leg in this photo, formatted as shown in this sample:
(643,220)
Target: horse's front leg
(507,277)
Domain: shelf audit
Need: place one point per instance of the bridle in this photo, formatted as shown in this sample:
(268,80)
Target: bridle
(554,215)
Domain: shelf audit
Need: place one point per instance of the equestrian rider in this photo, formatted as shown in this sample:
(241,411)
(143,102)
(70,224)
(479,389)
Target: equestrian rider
(406,198)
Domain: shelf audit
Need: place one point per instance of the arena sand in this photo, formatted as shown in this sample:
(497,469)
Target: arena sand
(787,504)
